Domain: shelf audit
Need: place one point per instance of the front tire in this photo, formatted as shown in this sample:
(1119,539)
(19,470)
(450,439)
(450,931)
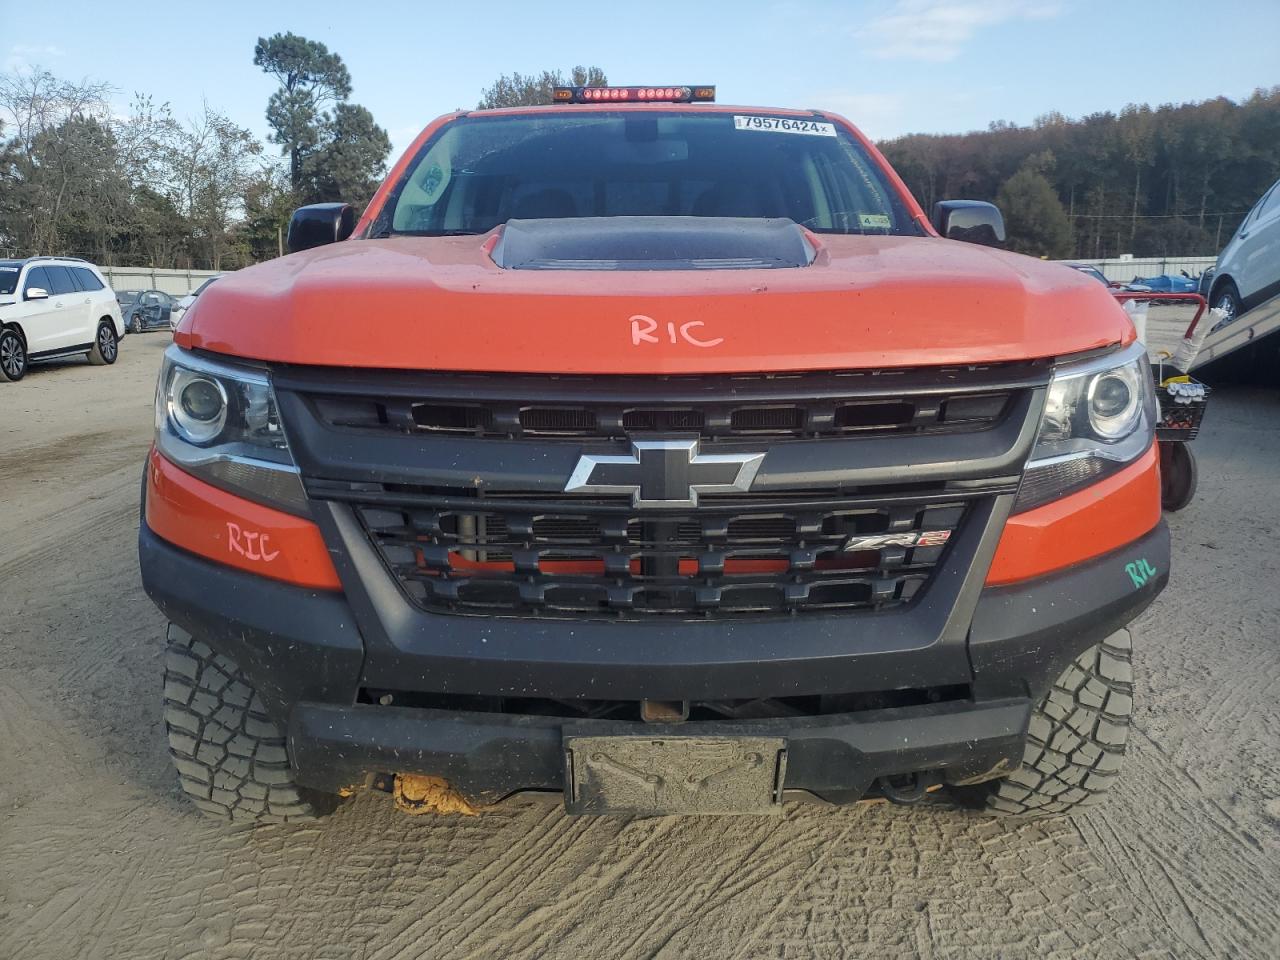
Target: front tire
(1075,742)
(230,755)
(106,345)
(13,356)
(135,325)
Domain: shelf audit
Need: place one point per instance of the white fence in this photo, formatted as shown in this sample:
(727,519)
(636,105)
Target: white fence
(1126,268)
(177,282)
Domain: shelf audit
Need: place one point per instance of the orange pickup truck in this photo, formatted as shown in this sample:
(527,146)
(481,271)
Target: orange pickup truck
(660,455)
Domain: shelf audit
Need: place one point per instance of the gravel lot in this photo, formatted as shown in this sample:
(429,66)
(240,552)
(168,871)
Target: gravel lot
(100,857)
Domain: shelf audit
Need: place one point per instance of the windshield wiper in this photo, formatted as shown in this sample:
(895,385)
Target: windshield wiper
(387,232)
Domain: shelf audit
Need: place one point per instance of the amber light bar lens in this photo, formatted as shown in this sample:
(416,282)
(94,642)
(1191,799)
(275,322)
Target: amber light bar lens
(702,94)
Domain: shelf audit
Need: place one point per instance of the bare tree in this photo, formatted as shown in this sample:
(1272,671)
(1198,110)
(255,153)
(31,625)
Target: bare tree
(214,163)
(36,101)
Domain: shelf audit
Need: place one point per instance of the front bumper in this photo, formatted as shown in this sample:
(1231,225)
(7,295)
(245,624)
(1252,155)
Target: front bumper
(486,757)
(310,660)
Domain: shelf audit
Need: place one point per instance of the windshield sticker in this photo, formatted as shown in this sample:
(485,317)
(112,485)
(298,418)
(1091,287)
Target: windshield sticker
(785,125)
(873,221)
(433,181)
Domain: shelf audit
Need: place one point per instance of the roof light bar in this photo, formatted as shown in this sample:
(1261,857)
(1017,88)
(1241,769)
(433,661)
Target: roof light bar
(703,94)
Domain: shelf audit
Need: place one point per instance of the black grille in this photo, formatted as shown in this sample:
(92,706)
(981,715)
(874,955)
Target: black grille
(458,480)
(563,559)
(782,407)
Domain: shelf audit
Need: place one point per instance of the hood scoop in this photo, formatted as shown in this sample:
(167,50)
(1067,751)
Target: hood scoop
(652,243)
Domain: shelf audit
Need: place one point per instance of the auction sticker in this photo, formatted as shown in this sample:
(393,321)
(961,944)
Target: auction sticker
(785,125)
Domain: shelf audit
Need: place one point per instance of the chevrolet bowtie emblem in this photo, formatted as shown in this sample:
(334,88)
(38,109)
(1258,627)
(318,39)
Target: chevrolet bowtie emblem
(664,473)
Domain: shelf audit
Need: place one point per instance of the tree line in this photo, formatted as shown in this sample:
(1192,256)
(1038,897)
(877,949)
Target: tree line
(1173,180)
(148,189)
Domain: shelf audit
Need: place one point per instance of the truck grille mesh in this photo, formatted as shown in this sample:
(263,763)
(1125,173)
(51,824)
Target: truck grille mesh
(550,558)
(458,481)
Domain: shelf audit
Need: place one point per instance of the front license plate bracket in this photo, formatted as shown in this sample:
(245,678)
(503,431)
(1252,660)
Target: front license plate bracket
(656,774)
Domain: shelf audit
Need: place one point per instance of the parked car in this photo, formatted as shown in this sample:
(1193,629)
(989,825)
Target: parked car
(145,309)
(55,307)
(664,456)
(1164,283)
(184,304)
(1248,269)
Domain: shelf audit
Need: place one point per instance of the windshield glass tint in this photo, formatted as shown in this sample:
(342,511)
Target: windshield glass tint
(482,171)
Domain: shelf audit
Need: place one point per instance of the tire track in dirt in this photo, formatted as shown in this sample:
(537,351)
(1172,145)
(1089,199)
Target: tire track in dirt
(81,884)
(16,732)
(1241,697)
(1128,862)
(663,853)
(52,460)
(532,925)
(1232,876)
(63,535)
(552,831)
(815,864)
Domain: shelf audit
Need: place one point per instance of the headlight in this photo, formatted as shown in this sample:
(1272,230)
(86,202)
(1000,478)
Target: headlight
(218,421)
(197,405)
(1099,415)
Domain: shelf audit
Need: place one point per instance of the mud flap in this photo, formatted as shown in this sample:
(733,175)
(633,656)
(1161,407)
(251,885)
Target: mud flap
(655,775)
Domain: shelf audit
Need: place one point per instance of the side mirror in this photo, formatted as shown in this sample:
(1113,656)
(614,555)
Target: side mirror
(36,293)
(973,221)
(320,223)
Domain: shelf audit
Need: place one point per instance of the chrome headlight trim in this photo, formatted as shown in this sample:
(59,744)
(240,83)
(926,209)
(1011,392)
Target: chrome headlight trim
(1072,429)
(248,453)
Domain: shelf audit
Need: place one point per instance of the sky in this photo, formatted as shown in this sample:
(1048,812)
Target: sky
(892,67)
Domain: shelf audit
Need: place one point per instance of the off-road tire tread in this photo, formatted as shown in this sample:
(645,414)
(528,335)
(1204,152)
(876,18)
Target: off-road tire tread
(230,755)
(1076,740)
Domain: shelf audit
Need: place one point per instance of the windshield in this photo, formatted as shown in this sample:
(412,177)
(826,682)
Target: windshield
(9,272)
(481,171)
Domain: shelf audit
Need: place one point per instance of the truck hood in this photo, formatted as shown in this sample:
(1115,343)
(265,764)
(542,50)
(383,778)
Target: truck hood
(443,304)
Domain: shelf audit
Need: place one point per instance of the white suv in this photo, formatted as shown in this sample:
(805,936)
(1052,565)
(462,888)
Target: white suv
(53,307)
(1248,269)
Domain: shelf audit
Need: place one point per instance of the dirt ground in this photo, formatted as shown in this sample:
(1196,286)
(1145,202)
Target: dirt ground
(101,858)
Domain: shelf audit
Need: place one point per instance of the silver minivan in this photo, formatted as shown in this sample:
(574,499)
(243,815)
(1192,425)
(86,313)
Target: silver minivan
(1248,269)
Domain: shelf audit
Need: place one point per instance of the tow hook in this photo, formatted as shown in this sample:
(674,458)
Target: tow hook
(908,788)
